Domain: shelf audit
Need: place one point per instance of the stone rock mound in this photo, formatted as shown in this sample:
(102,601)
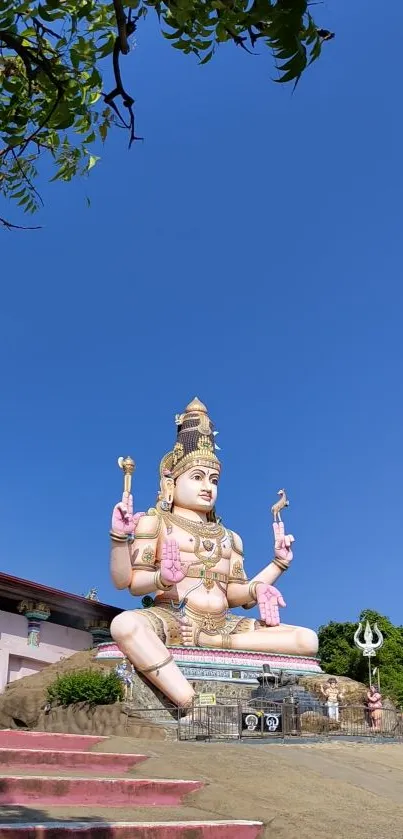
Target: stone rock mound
(354,692)
(23,704)
(314,723)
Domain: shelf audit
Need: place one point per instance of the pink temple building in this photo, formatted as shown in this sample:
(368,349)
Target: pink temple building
(41,625)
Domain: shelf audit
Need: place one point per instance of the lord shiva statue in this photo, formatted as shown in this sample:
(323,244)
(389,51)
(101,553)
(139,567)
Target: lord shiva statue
(180,552)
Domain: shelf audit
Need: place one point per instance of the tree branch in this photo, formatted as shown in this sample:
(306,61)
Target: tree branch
(122,26)
(9,226)
(119,90)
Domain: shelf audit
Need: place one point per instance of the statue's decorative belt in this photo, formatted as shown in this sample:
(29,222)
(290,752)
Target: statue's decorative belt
(206,574)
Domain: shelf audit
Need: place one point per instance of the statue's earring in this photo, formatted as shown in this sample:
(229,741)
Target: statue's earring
(166,495)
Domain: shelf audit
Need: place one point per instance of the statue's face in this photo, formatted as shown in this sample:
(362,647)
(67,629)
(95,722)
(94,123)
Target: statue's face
(196,489)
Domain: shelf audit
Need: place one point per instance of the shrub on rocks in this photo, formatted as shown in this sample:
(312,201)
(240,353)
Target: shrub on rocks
(90,686)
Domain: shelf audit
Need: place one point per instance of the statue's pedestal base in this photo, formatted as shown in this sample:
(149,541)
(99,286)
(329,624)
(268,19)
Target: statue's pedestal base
(203,664)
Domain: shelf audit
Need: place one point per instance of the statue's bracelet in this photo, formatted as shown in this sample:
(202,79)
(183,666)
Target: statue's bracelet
(252,589)
(159,584)
(121,538)
(280,564)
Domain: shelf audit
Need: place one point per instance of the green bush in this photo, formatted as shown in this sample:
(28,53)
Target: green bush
(86,686)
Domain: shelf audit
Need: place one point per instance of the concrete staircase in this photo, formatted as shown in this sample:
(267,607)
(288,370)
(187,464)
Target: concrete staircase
(54,786)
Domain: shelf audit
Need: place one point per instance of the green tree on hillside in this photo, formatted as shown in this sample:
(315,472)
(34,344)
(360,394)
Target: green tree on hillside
(339,655)
(56,54)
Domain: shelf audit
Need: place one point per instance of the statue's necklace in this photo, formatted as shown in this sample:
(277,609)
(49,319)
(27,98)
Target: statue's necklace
(204,533)
(204,530)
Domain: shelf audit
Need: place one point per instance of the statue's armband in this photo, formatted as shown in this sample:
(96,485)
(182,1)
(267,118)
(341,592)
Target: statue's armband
(144,547)
(236,573)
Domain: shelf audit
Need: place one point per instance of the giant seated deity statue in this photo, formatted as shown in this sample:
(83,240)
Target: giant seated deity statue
(194,565)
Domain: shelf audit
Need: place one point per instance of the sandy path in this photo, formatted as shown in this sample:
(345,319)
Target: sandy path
(299,791)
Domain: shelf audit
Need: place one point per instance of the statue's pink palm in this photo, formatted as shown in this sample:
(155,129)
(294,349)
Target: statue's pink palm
(172,571)
(269,599)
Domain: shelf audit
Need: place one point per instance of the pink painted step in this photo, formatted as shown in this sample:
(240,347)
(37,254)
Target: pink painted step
(16,739)
(134,830)
(110,792)
(49,759)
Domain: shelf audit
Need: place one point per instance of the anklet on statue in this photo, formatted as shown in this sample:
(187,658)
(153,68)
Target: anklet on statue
(156,667)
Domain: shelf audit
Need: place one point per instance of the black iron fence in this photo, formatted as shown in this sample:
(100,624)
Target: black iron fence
(236,720)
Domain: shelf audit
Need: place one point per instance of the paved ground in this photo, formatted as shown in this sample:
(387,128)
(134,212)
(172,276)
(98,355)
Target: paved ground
(298,791)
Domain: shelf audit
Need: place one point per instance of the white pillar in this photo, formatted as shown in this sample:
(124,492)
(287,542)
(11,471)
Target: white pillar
(4,659)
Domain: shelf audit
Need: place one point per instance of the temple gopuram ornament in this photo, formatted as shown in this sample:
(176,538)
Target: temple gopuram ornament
(193,565)
(35,613)
(92,595)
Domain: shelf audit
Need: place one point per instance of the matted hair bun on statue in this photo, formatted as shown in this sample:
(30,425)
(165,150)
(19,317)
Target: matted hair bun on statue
(194,445)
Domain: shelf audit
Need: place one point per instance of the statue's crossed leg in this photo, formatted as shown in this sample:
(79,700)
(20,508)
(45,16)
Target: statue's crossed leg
(139,641)
(281,640)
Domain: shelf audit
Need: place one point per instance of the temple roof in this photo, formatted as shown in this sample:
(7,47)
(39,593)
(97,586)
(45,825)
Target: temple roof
(66,609)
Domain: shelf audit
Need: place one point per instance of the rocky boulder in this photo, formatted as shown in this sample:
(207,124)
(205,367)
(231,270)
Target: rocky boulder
(24,703)
(354,692)
(313,723)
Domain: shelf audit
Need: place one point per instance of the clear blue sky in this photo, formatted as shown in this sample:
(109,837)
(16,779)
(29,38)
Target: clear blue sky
(249,252)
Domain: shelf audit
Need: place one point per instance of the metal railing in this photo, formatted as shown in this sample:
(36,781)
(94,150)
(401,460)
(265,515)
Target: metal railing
(236,720)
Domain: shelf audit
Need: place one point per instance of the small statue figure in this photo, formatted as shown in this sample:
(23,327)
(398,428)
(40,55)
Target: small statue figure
(279,505)
(125,674)
(374,704)
(92,595)
(333,694)
(183,554)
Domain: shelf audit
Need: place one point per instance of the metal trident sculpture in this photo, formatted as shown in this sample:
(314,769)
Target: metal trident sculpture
(369,647)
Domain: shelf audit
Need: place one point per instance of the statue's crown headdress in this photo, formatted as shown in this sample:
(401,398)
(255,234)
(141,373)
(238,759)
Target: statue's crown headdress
(195,444)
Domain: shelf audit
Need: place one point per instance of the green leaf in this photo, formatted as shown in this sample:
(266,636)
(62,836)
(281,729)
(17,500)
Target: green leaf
(108,46)
(49,16)
(288,77)
(103,130)
(207,57)
(92,161)
(171,36)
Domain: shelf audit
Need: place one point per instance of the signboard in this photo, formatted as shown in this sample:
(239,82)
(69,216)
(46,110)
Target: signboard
(262,721)
(207,699)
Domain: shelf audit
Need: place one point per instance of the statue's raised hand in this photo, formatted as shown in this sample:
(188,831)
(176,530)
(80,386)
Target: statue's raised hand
(282,543)
(268,600)
(172,570)
(124,520)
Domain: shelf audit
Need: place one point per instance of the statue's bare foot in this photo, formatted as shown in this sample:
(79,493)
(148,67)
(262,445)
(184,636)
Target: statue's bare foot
(187,632)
